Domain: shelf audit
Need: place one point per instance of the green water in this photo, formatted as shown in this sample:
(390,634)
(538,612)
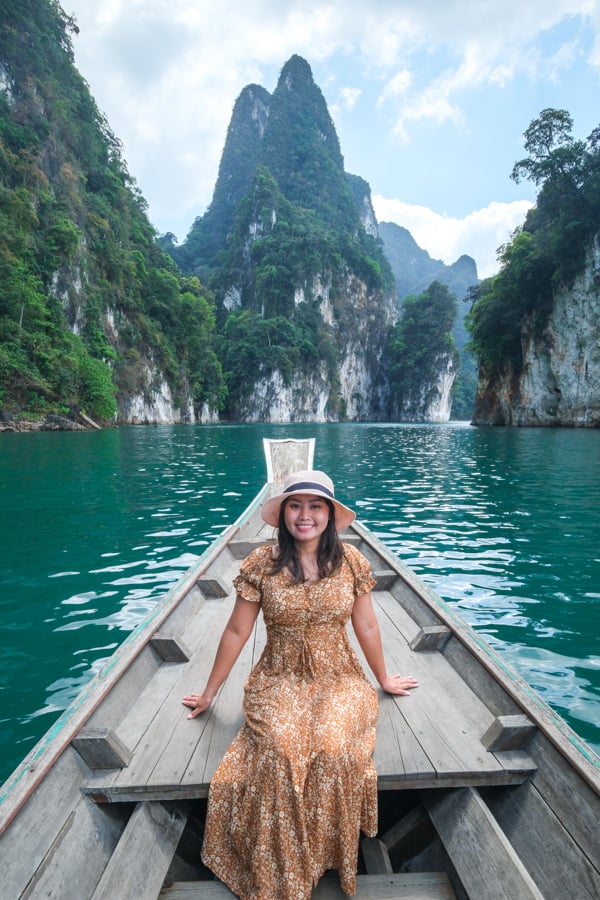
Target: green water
(94,527)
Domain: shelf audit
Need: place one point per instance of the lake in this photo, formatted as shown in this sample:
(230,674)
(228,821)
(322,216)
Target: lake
(95,526)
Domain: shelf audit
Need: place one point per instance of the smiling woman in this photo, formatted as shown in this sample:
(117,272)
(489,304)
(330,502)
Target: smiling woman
(304,511)
(310,713)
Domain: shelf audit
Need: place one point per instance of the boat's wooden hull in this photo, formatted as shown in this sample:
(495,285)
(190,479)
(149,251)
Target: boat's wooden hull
(485,792)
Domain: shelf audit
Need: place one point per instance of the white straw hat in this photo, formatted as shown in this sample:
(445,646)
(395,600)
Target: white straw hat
(315,483)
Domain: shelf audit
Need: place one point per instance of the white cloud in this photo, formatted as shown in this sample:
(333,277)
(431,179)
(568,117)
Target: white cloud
(349,96)
(479,234)
(397,86)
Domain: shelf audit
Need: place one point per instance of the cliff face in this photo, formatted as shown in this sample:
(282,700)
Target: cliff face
(560,381)
(349,384)
(94,316)
(431,402)
(290,247)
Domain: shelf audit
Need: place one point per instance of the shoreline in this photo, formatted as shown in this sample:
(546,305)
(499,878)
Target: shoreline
(52,422)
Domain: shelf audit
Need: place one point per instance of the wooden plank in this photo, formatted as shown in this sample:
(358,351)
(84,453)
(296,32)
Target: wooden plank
(550,851)
(480,851)
(157,721)
(101,748)
(172,744)
(170,649)
(54,823)
(76,860)
(430,637)
(227,718)
(148,705)
(376,857)
(195,890)
(180,762)
(241,548)
(117,703)
(443,713)
(385,578)
(517,761)
(558,784)
(143,855)
(406,827)
(213,587)
(170,739)
(508,733)
(398,886)
(398,753)
(288,455)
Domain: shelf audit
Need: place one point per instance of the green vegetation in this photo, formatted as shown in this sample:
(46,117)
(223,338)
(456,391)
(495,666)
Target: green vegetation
(549,249)
(89,303)
(292,250)
(418,343)
(284,230)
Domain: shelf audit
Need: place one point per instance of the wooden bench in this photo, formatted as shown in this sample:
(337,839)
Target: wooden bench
(402,886)
(433,738)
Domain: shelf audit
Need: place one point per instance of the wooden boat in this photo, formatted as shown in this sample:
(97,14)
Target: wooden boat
(485,793)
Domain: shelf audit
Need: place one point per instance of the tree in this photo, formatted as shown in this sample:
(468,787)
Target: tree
(553,152)
(419,340)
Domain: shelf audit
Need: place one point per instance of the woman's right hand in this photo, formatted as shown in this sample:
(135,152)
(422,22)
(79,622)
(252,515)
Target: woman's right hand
(198,703)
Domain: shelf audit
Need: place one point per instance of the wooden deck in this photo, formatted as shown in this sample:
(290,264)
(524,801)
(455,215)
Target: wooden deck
(433,738)
(412,886)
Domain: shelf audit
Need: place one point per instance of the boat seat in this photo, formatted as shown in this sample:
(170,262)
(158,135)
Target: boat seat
(478,846)
(144,852)
(442,735)
(407,885)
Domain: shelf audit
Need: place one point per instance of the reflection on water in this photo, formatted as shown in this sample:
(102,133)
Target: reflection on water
(503,523)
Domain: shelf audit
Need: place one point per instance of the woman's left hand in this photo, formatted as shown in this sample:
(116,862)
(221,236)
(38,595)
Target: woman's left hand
(399,684)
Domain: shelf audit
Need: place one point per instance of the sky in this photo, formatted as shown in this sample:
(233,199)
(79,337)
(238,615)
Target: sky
(430,98)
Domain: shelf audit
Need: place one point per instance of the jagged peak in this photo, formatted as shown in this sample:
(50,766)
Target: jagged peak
(252,93)
(251,106)
(295,72)
(465,263)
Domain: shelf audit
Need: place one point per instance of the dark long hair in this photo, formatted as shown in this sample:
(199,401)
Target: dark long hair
(329,552)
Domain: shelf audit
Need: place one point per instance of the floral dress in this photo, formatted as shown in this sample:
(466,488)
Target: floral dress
(297,784)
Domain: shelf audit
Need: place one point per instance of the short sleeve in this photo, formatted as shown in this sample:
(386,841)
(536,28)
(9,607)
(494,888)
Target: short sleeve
(248,584)
(361,570)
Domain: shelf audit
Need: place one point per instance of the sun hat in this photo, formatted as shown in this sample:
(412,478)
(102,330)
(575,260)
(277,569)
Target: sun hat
(312,482)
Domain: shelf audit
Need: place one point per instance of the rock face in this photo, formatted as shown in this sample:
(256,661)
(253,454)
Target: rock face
(430,402)
(560,381)
(290,237)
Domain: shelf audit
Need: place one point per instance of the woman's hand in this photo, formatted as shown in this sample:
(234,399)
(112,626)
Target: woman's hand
(198,704)
(399,684)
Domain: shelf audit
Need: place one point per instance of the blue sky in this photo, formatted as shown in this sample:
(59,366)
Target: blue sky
(430,98)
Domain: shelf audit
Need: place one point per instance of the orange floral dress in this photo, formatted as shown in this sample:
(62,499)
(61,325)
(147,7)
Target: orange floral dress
(297,784)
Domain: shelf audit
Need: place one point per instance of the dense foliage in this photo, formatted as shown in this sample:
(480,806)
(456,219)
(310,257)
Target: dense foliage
(549,249)
(89,303)
(419,344)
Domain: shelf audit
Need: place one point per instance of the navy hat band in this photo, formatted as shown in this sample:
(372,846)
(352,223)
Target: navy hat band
(308,486)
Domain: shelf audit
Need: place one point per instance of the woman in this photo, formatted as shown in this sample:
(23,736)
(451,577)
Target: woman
(297,784)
